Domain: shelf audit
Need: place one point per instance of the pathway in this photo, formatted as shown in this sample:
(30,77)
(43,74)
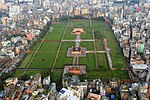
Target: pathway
(53,66)
(32,58)
(107,53)
(96,61)
(90,40)
(40,68)
(92,51)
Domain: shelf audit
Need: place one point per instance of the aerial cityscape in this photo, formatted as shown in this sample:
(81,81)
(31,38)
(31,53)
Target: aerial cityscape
(74,49)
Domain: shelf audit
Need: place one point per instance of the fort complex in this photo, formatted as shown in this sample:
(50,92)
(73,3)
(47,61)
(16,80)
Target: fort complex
(85,49)
(78,51)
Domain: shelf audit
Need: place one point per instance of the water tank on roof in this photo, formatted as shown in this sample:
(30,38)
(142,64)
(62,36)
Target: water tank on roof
(112,96)
(148,76)
(143,75)
(142,48)
(78,40)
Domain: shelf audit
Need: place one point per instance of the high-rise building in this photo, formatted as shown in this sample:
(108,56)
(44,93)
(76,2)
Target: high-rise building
(46,3)
(25,0)
(2,1)
(14,10)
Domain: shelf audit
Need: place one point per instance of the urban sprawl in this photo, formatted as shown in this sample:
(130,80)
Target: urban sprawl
(67,32)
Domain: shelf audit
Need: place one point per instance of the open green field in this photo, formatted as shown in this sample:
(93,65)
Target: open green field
(105,75)
(102,31)
(45,56)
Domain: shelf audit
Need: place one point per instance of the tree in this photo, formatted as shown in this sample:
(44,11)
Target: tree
(78,17)
(64,18)
(1,85)
(99,18)
(45,29)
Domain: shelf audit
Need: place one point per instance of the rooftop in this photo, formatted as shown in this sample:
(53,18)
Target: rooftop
(78,30)
(140,66)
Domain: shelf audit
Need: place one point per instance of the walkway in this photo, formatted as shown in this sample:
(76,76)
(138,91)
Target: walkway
(107,53)
(77,45)
(40,68)
(53,66)
(28,65)
(90,40)
(93,34)
(95,51)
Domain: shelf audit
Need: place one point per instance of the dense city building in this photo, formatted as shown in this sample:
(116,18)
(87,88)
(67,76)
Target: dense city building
(24,25)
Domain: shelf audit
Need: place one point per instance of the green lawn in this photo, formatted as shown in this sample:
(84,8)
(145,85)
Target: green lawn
(60,24)
(56,34)
(104,75)
(35,46)
(67,45)
(63,60)
(68,35)
(17,73)
(102,31)
(99,45)
(56,77)
(43,60)
(88,33)
(28,73)
(49,46)
(26,60)
(48,50)
(87,45)
(102,62)
(89,61)
(79,23)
